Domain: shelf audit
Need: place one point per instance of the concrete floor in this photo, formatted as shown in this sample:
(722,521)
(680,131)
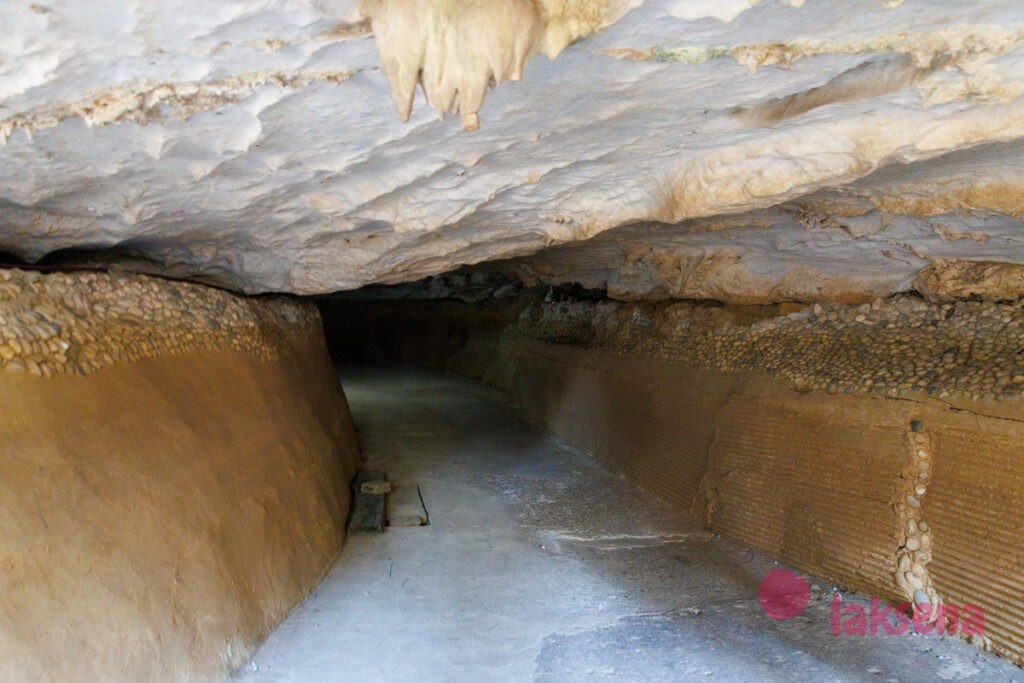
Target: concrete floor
(541,565)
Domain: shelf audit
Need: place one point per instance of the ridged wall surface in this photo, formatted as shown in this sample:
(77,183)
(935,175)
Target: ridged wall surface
(975,507)
(818,480)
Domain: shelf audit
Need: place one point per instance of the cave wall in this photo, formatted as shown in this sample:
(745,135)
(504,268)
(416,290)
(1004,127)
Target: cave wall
(174,467)
(875,446)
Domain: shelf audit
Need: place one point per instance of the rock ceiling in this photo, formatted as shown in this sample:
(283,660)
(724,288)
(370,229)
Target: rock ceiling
(693,148)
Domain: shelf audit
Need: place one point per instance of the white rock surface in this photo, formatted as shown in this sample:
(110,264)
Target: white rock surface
(866,239)
(255,145)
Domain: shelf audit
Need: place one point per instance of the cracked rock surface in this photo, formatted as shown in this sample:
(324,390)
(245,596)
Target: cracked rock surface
(765,152)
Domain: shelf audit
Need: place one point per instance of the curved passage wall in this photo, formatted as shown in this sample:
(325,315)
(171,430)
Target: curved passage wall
(174,463)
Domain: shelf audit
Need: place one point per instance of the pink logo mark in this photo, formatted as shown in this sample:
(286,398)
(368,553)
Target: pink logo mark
(852,620)
(784,594)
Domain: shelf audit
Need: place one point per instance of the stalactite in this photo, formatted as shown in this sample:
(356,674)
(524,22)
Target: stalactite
(456,49)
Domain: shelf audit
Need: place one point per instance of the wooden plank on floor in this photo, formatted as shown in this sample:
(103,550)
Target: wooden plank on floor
(405,506)
(367,508)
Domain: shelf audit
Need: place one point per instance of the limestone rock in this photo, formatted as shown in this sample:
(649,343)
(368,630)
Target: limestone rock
(948,280)
(255,147)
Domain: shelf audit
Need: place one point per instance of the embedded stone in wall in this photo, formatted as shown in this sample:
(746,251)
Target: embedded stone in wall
(890,347)
(77,323)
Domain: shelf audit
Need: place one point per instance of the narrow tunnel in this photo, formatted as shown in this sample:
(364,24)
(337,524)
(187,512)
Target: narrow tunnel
(566,486)
(721,465)
(690,349)
(752,492)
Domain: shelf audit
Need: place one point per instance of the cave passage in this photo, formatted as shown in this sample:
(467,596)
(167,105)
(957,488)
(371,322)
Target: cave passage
(540,564)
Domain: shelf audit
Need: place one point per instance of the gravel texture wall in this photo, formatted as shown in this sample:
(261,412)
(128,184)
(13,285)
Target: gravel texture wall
(174,464)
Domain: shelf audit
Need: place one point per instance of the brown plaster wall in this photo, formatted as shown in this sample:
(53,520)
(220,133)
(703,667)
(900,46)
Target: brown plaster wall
(159,517)
(817,480)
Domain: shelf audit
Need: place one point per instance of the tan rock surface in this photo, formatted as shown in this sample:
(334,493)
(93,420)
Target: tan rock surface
(949,280)
(160,513)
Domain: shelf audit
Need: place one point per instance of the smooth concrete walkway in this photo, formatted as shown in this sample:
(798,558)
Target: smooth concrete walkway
(540,565)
